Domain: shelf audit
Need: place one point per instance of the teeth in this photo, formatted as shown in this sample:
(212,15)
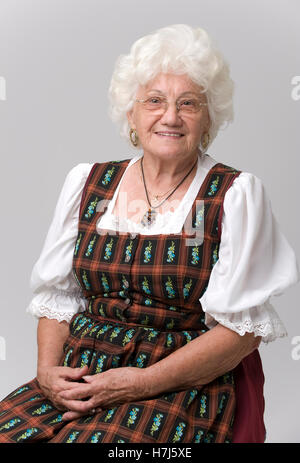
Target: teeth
(170,134)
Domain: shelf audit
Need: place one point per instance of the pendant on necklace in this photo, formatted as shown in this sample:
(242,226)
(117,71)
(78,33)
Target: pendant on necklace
(155,200)
(149,218)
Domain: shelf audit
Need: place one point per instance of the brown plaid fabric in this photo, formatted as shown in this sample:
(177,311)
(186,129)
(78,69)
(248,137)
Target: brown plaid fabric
(142,296)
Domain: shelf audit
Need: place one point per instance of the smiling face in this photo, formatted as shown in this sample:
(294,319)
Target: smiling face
(169,133)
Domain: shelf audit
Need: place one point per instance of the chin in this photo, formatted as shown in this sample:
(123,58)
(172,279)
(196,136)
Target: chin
(167,151)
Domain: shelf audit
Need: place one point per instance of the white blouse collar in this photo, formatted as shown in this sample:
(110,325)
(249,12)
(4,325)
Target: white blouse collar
(170,222)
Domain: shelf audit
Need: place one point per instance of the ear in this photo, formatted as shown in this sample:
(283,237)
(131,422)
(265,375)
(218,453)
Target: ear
(209,123)
(131,119)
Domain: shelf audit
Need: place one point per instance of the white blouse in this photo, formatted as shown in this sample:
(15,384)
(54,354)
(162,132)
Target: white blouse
(255,261)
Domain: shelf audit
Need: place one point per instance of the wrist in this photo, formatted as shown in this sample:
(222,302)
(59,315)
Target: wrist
(152,382)
(43,369)
(48,360)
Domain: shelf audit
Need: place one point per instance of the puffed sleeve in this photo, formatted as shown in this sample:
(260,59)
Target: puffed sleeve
(56,294)
(255,263)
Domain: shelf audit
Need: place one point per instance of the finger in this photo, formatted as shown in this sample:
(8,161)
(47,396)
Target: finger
(62,386)
(72,405)
(76,373)
(70,416)
(60,407)
(79,392)
(69,385)
(83,407)
(89,378)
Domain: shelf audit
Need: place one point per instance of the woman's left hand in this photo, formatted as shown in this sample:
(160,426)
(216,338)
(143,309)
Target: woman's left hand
(105,390)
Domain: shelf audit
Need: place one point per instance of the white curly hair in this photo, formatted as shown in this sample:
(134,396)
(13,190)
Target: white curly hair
(179,49)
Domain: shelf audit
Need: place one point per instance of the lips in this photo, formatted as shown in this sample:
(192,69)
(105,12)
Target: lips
(170,134)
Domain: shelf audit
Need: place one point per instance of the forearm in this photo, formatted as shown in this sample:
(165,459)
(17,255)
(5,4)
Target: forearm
(51,336)
(200,361)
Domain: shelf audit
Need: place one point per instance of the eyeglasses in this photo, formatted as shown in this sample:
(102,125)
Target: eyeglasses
(158,104)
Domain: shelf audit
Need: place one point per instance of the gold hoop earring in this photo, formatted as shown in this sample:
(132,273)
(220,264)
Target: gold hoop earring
(205,138)
(134,137)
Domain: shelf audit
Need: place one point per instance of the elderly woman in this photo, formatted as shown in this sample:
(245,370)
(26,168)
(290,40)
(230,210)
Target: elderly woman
(152,289)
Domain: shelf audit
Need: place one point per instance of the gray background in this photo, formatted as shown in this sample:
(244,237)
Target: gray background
(57,57)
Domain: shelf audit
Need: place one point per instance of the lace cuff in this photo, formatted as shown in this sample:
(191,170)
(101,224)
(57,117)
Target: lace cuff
(57,304)
(261,320)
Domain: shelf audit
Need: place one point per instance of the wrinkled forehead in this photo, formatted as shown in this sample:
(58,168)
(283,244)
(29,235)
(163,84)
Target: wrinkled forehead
(170,84)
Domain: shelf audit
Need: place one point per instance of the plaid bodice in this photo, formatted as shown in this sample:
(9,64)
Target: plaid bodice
(149,280)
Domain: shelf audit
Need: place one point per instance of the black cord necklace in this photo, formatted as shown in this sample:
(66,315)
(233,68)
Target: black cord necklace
(150,216)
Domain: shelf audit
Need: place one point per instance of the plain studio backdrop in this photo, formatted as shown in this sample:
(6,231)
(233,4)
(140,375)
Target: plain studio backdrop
(56,61)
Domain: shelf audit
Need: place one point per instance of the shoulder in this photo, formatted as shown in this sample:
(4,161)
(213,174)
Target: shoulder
(210,163)
(247,182)
(79,174)
(97,174)
(74,181)
(248,192)
(241,179)
(241,186)
(79,171)
(83,169)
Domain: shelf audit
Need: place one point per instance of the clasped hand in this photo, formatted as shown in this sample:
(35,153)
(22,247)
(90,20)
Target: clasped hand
(64,387)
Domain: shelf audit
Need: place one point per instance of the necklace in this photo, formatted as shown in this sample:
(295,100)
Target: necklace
(157,196)
(150,216)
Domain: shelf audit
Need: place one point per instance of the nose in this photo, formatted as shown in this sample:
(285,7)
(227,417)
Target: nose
(171,116)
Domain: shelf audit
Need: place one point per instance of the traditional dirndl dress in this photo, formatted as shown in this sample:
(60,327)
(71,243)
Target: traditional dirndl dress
(142,294)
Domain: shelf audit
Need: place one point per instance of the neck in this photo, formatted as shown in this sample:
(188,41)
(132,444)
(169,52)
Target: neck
(163,173)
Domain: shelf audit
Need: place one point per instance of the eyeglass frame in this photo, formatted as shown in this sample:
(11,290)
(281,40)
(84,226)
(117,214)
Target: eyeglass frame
(176,103)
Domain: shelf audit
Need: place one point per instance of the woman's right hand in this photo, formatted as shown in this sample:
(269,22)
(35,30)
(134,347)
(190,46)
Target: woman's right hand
(53,380)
